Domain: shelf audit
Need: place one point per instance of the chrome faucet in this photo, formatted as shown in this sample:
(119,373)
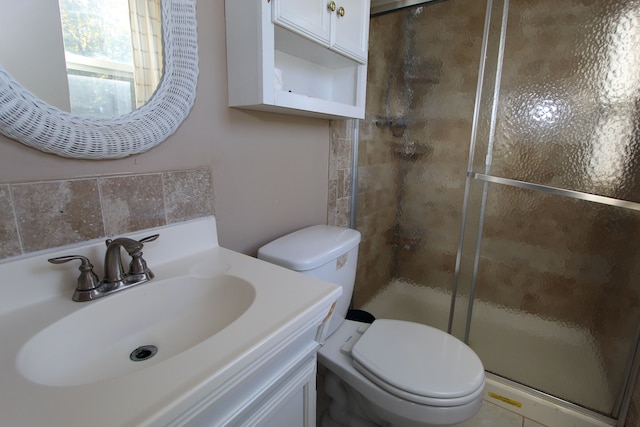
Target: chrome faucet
(115,279)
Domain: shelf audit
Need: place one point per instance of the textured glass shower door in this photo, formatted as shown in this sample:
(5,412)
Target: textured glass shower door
(551,268)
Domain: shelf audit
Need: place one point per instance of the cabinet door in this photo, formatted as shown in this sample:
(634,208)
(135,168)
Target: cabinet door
(309,18)
(351,29)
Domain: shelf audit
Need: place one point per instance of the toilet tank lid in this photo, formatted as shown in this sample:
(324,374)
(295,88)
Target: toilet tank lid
(310,247)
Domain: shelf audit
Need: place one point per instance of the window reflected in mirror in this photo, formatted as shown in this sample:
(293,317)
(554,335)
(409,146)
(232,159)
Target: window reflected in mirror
(113,54)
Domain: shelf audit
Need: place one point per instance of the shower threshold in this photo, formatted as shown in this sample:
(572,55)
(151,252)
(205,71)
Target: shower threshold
(538,407)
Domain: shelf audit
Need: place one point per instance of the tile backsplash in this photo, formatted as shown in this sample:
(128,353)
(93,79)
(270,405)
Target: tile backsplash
(41,215)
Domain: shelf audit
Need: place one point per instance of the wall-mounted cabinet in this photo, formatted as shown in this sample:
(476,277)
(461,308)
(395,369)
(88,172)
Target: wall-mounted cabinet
(305,57)
(341,26)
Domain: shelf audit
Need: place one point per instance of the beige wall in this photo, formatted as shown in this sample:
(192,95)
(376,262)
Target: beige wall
(34,26)
(269,171)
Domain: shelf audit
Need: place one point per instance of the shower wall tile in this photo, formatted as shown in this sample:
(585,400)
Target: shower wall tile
(414,142)
(554,61)
(57,213)
(377,208)
(42,215)
(9,238)
(372,273)
(132,203)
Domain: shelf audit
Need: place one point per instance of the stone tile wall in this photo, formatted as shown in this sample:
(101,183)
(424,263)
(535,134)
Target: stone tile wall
(41,215)
(414,142)
(340,155)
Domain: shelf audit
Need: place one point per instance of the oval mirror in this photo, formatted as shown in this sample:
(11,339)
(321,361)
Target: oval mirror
(156,110)
(112,50)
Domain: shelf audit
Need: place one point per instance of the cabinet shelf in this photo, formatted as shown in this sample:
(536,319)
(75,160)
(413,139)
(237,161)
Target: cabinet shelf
(271,68)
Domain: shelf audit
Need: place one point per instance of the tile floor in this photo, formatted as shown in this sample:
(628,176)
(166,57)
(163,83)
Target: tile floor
(491,415)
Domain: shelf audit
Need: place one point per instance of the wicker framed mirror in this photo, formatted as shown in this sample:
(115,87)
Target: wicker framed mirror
(37,124)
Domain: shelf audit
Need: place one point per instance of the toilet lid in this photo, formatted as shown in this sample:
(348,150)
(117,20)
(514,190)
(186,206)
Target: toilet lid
(418,362)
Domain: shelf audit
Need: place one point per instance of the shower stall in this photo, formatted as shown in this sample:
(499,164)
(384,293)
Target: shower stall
(498,185)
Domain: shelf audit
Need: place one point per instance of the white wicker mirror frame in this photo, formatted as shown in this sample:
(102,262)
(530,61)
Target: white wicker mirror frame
(29,120)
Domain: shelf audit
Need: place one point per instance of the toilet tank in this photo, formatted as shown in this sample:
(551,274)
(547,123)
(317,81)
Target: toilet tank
(326,252)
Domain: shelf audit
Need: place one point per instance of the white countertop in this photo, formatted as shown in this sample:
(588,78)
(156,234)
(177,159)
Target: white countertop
(36,294)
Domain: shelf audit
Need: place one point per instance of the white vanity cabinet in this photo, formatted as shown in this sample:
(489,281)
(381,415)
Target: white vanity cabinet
(305,57)
(277,390)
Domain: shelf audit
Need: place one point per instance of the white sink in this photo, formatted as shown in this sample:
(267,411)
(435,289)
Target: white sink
(95,343)
(214,315)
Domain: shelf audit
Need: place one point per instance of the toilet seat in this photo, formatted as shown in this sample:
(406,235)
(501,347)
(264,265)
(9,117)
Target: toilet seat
(418,363)
(336,356)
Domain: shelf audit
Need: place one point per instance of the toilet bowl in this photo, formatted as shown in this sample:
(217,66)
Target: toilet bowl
(387,373)
(390,373)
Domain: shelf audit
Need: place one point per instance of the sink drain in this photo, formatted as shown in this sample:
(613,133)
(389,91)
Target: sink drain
(144,352)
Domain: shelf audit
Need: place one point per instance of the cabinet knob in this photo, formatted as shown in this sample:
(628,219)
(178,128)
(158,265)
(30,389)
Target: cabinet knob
(332,6)
(341,11)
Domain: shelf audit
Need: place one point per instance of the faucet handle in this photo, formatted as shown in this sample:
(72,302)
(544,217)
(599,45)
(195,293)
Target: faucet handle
(149,238)
(88,281)
(138,269)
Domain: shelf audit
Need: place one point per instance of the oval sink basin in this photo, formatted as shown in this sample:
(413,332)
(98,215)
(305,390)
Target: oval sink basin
(95,343)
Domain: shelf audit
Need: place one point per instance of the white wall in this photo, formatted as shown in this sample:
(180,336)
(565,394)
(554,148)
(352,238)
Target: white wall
(270,171)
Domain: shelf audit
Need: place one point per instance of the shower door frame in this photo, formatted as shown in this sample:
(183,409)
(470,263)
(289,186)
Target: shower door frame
(623,399)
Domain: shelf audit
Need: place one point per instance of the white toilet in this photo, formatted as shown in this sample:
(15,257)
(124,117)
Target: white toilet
(389,372)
